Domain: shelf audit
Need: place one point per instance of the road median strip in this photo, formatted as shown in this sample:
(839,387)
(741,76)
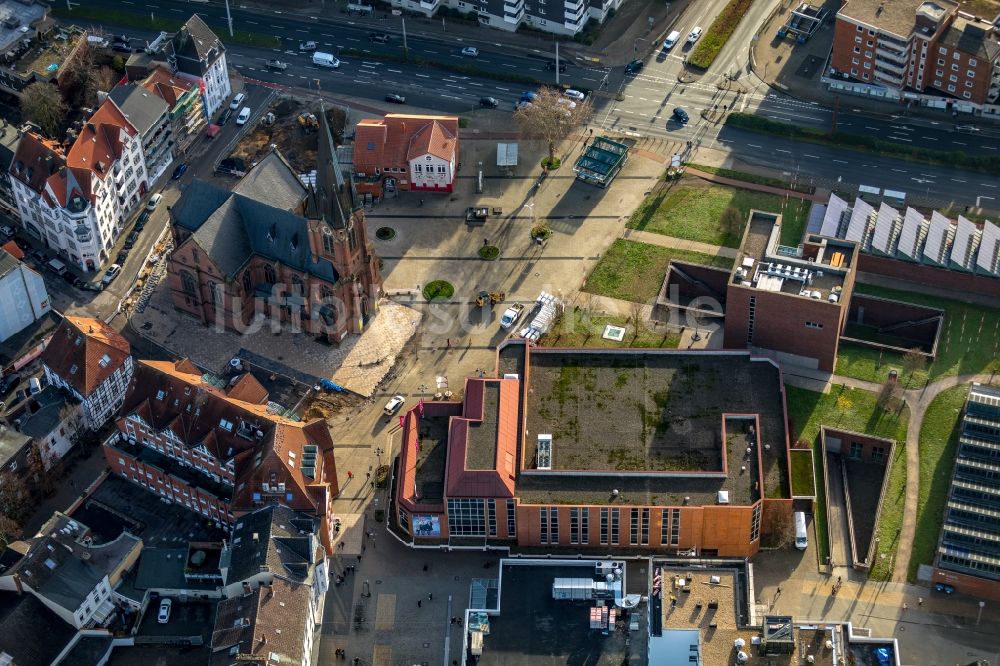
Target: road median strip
(718,33)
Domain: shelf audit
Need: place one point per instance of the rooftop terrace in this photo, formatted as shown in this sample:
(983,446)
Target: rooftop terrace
(48,57)
(650,424)
(817,271)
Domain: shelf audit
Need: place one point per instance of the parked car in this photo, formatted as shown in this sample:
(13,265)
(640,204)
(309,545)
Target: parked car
(244,116)
(489,102)
(154,201)
(7,230)
(574,94)
(551,66)
(395,99)
(568,103)
(634,67)
(140,224)
(224,118)
(122,256)
(470,51)
(131,240)
(378,37)
(9,382)
(164,615)
(681,115)
(123,47)
(179,171)
(394,404)
(277,64)
(111,274)
(694,36)
(237,101)
(329,60)
(307,46)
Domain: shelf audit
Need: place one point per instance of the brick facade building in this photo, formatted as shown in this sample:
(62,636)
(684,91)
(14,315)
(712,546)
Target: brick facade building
(275,247)
(908,48)
(507,466)
(792,303)
(219,448)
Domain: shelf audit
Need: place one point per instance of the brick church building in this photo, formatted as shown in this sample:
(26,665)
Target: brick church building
(275,247)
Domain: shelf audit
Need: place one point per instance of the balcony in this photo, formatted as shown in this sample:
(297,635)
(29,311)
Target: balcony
(890,65)
(890,51)
(572,6)
(429,5)
(514,8)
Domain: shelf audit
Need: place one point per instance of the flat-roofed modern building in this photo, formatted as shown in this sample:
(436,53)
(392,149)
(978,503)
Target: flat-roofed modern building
(602,450)
(791,301)
(968,554)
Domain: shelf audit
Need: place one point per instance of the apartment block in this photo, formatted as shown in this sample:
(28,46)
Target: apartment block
(968,554)
(197,54)
(561,17)
(789,302)
(617,450)
(927,52)
(78,202)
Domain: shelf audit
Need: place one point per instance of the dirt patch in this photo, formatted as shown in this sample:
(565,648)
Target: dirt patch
(290,126)
(327,406)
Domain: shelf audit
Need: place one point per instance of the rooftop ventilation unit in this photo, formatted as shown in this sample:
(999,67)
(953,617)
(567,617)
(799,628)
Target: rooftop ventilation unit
(723,497)
(545,452)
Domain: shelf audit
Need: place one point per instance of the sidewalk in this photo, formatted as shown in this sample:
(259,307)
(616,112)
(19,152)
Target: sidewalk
(757,187)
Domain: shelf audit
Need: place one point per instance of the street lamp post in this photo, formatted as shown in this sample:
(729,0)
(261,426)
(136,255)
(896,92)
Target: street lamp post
(635,45)
(982,605)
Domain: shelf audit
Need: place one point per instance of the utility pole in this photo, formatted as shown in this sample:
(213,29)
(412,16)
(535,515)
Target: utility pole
(406,49)
(557,63)
(229,19)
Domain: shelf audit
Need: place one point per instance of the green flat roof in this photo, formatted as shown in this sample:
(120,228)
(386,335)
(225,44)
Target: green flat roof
(603,157)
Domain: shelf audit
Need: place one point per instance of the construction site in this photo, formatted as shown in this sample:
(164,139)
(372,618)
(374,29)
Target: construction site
(290,125)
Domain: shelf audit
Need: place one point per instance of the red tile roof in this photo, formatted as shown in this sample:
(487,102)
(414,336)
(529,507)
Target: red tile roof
(460,481)
(393,140)
(84,352)
(35,160)
(13,250)
(99,144)
(166,86)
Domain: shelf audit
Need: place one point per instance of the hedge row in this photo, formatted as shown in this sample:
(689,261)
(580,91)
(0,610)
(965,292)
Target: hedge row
(120,19)
(865,143)
(718,34)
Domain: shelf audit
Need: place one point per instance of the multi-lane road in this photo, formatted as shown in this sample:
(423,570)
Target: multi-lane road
(644,102)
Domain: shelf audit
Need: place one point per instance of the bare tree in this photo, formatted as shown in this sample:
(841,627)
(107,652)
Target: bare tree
(42,103)
(9,530)
(888,395)
(635,310)
(15,498)
(104,78)
(913,361)
(732,221)
(551,117)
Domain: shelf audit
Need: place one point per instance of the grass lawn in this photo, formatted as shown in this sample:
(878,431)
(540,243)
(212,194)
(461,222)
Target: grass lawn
(576,329)
(803,483)
(755,178)
(634,271)
(938,443)
(970,340)
(852,409)
(692,209)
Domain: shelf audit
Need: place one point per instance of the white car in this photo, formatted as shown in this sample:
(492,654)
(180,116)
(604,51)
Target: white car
(568,103)
(164,615)
(695,35)
(470,51)
(235,104)
(244,116)
(154,201)
(574,94)
(393,405)
(111,274)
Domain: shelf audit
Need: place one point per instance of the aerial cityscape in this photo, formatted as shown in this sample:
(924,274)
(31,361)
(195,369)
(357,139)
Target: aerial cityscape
(522,332)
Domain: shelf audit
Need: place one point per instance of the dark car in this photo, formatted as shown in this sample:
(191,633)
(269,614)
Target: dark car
(489,102)
(551,66)
(224,118)
(124,47)
(122,256)
(140,224)
(179,171)
(8,382)
(681,115)
(634,67)
(395,99)
(130,241)
(378,37)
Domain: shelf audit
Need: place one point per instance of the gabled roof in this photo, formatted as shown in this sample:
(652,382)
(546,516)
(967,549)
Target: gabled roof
(276,537)
(162,83)
(433,139)
(231,228)
(8,262)
(273,181)
(395,139)
(332,198)
(141,107)
(195,41)
(482,443)
(271,620)
(30,632)
(84,352)
(11,248)
(35,160)
(99,144)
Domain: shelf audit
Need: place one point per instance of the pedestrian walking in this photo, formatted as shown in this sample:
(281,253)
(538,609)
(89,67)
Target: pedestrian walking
(359,558)
(373,485)
(350,475)
(369,475)
(905,607)
(426,567)
(430,596)
(920,601)
(420,604)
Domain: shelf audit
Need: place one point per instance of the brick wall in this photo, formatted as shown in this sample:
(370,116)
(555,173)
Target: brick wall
(922,274)
(973,586)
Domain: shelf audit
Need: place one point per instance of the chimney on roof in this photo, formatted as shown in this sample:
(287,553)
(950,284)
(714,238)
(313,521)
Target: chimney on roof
(17,584)
(263,639)
(91,127)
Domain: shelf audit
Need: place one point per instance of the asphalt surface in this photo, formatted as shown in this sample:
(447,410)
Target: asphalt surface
(645,102)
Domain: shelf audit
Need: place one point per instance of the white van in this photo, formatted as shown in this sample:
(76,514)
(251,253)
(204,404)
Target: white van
(58,267)
(34,385)
(321,59)
(671,40)
(801,536)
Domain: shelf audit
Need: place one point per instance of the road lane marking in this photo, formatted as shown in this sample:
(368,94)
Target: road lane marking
(956,180)
(987,185)
(753,145)
(959,143)
(423,76)
(840,161)
(928,138)
(899,171)
(779,150)
(808,155)
(394,71)
(248,22)
(503,89)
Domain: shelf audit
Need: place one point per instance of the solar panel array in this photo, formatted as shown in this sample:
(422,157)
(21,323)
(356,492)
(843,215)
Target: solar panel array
(988,258)
(834,212)
(860,218)
(966,243)
(936,248)
(914,228)
(886,228)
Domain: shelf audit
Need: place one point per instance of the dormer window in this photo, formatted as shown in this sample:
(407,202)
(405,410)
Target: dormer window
(226,425)
(160,395)
(73,370)
(105,360)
